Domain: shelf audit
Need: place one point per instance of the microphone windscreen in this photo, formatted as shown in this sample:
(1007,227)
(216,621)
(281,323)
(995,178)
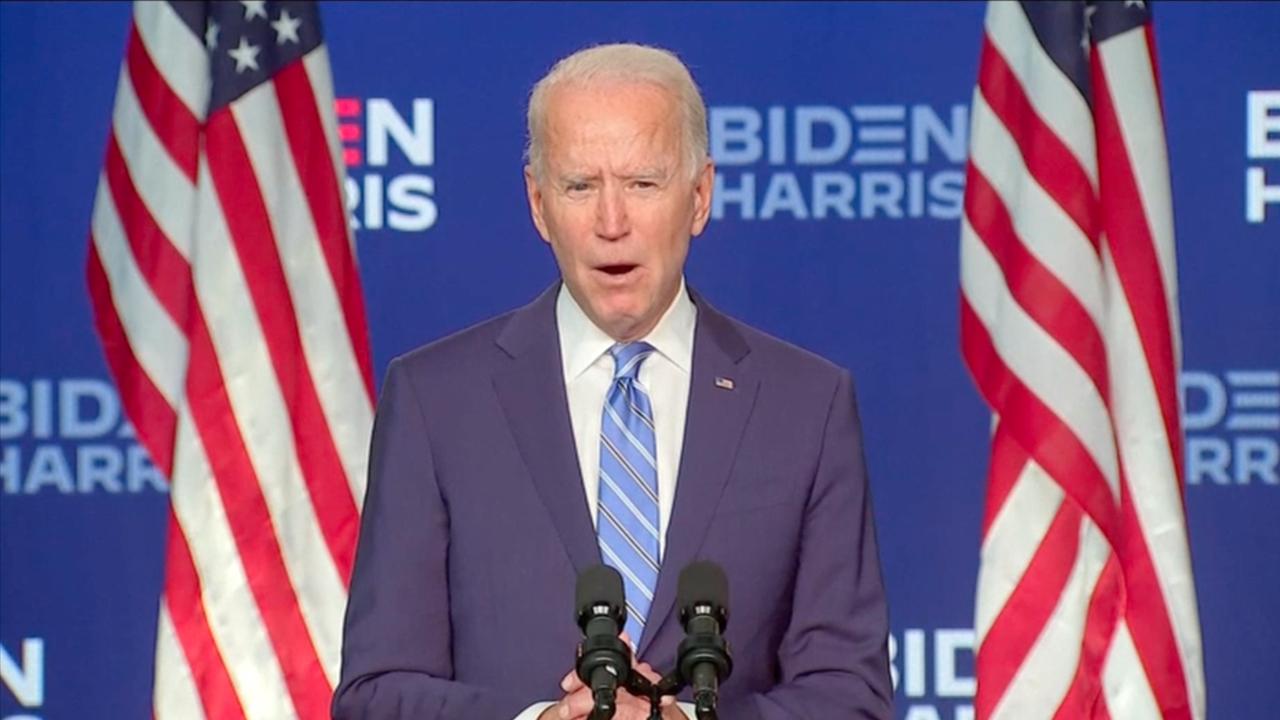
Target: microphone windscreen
(599,585)
(703,583)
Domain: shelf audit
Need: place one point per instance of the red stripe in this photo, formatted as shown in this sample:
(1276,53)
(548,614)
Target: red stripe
(1028,609)
(251,526)
(1038,291)
(1148,619)
(174,123)
(250,229)
(1047,158)
(186,609)
(163,267)
(146,407)
(1007,462)
(1085,697)
(1050,442)
(311,156)
(1133,250)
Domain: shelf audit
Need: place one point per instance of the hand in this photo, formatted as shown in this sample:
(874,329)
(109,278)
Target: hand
(577,702)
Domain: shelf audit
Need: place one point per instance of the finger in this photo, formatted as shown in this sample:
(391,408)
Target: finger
(571,682)
(576,704)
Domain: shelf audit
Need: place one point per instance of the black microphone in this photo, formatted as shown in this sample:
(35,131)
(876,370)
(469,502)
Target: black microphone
(703,658)
(604,660)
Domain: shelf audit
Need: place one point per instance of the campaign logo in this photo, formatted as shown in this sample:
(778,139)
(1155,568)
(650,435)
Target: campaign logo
(69,436)
(22,676)
(1232,423)
(933,673)
(1262,142)
(385,147)
(824,162)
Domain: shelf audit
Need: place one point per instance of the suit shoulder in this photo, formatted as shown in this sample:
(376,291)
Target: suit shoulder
(784,358)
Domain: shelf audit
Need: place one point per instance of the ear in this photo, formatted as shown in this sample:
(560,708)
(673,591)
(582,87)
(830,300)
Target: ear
(534,192)
(702,186)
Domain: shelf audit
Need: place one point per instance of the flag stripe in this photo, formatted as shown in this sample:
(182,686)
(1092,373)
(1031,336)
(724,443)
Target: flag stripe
(1056,99)
(181,61)
(171,120)
(1049,233)
(1025,612)
(1048,159)
(176,691)
(325,200)
(1037,360)
(1029,510)
(1132,246)
(182,605)
(258,400)
(241,492)
(231,314)
(1046,300)
(166,271)
(1052,445)
(1007,463)
(323,334)
(1085,696)
(1123,638)
(139,395)
(251,235)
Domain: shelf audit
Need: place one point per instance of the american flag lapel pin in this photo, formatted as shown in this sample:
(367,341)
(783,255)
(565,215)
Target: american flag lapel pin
(724,383)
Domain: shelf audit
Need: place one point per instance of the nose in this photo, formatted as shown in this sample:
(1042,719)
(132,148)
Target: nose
(612,222)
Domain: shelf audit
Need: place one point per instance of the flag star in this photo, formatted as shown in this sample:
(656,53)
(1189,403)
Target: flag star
(254,8)
(286,28)
(245,55)
(1089,10)
(211,35)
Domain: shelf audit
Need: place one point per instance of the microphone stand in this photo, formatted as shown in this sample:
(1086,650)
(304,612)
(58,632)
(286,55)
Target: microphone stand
(640,686)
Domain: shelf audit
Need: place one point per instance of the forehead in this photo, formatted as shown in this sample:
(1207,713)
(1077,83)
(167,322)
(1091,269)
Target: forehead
(615,117)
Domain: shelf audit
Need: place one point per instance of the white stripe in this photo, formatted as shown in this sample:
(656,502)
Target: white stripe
(317,66)
(1131,79)
(1042,680)
(263,419)
(635,441)
(176,52)
(228,602)
(1043,227)
(1150,474)
(1012,540)
(625,569)
(175,694)
(627,501)
(165,190)
(1125,684)
(158,344)
(326,343)
(1055,98)
(1035,357)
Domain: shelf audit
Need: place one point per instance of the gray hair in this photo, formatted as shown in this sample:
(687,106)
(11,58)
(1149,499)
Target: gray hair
(625,62)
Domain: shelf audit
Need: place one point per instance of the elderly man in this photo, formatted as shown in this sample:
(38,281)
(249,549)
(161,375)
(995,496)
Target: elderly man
(618,418)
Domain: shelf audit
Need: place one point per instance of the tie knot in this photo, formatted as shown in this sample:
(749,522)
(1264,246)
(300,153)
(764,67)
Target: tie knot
(627,358)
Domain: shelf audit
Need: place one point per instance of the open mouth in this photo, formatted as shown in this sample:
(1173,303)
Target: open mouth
(617,270)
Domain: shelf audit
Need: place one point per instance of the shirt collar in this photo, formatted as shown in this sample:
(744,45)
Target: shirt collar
(582,343)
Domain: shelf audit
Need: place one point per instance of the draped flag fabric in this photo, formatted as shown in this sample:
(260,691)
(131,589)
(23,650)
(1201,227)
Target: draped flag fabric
(1069,325)
(224,286)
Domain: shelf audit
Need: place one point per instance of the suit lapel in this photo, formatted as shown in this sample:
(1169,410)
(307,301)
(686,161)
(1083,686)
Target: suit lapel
(531,391)
(716,418)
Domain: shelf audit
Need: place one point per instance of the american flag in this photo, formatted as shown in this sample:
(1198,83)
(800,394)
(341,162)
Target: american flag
(225,290)
(1069,324)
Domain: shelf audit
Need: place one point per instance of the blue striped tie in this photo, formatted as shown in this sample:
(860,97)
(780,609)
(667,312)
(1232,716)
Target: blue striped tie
(627,522)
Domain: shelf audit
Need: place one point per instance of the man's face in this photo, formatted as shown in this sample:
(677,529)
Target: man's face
(617,202)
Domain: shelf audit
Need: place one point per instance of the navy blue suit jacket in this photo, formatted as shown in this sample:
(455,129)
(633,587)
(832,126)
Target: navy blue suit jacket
(476,525)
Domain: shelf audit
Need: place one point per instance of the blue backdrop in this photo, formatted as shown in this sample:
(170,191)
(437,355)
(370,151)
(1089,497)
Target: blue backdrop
(869,281)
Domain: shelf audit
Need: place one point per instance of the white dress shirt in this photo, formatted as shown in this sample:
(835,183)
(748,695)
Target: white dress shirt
(664,375)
